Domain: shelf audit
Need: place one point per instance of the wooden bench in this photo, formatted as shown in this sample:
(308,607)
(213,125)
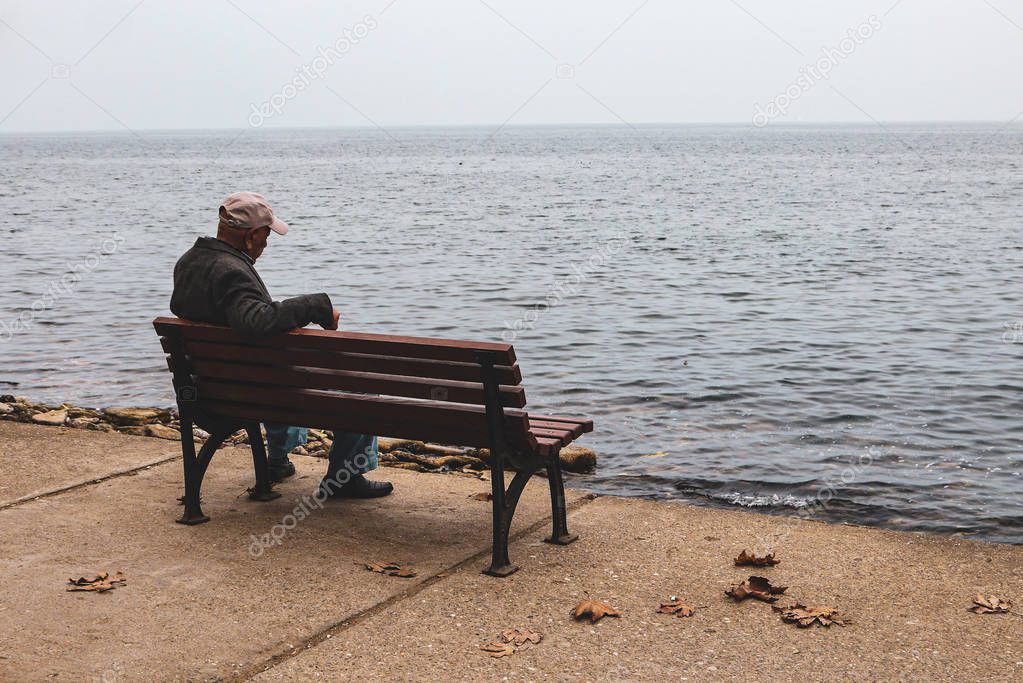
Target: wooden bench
(455,392)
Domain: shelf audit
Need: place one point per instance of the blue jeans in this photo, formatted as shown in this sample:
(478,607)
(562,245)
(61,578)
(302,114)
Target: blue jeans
(352,453)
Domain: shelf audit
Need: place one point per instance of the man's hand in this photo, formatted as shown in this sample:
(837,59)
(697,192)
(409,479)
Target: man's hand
(336,321)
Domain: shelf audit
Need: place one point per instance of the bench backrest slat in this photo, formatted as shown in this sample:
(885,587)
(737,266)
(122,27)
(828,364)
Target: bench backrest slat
(384,415)
(413,367)
(342,380)
(398,429)
(350,342)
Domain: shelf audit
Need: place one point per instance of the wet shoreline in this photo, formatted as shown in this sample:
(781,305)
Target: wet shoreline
(163,423)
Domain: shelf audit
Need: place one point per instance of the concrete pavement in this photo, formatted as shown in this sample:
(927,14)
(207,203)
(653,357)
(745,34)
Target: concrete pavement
(204,603)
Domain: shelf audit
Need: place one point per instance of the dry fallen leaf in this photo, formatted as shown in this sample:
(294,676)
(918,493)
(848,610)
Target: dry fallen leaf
(99,583)
(518,638)
(496,649)
(511,641)
(804,616)
(756,587)
(380,567)
(992,604)
(678,607)
(746,559)
(391,569)
(484,495)
(595,610)
(88,580)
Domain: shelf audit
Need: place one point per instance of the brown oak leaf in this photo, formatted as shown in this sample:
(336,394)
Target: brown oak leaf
(511,641)
(496,649)
(519,638)
(483,495)
(756,587)
(392,569)
(595,610)
(804,616)
(991,604)
(747,559)
(99,583)
(676,606)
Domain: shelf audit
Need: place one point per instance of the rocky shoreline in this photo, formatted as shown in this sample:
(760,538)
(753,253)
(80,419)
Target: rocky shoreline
(162,423)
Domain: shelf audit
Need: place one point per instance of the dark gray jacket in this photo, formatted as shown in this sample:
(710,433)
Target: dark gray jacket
(216,283)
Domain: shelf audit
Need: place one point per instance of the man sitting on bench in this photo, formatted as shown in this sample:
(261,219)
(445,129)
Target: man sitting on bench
(216,282)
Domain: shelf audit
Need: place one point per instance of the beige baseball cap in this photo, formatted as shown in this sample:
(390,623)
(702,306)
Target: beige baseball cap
(249,210)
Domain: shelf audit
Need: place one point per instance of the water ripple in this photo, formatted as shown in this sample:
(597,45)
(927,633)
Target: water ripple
(766,312)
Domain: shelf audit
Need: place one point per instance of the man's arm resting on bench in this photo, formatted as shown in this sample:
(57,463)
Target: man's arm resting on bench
(251,316)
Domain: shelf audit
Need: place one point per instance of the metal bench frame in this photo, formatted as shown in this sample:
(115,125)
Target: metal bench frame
(504,454)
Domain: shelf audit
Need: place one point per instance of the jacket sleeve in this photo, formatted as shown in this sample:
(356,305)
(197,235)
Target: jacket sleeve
(252,316)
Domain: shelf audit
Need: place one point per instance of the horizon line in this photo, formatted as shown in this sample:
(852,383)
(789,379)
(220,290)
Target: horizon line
(663,124)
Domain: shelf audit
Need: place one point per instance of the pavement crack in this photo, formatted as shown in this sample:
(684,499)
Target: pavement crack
(357,618)
(92,481)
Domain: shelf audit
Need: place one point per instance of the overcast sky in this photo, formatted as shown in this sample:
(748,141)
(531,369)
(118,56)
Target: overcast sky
(158,64)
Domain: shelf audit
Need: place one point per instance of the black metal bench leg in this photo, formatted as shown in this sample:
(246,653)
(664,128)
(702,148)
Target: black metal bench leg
(500,565)
(193,477)
(559,514)
(504,509)
(262,490)
(195,469)
(210,446)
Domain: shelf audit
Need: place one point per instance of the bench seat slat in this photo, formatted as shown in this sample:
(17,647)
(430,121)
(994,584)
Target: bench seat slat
(358,362)
(574,429)
(548,447)
(351,342)
(564,437)
(584,423)
(366,382)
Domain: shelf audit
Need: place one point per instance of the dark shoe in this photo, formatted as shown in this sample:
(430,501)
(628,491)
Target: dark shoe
(281,470)
(358,487)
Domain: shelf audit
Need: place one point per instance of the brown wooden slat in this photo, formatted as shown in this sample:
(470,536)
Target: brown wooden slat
(350,342)
(586,424)
(547,447)
(394,426)
(366,382)
(563,436)
(360,408)
(390,365)
(574,429)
